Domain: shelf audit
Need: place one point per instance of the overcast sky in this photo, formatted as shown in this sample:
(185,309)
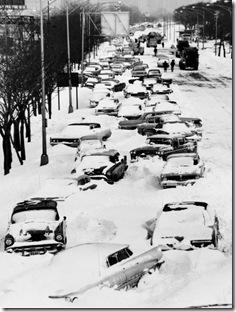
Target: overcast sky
(144,5)
(153,5)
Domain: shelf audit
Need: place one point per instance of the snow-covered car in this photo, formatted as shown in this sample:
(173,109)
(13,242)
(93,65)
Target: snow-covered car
(106,264)
(186,225)
(154,99)
(183,128)
(170,124)
(89,146)
(151,128)
(161,59)
(35,227)
(163,145)
(104,64)
(149,82)
(139,71)
(182,169)
(154,73)
(107,106)
(164,108)
(98,95)
(73,133)
(91,71)
(161,89)
(106,74)
(91,82)
(117,68)
(104,165)
(130,112)
(136,89)
(147,116)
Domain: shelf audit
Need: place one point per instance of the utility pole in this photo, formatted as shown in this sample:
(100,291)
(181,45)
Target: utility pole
(70,108)
(216,20)
(44,156)
(89,31)
(203,39)
(197,32)
(82,48)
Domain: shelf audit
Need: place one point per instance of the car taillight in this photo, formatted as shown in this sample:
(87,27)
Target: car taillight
(9,241)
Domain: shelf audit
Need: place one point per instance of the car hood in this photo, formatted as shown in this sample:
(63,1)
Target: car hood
(130,110)
(20,231)
(129,122)
(180,170)
(188,225)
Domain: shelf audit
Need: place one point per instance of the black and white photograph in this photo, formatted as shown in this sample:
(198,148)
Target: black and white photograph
(116,154)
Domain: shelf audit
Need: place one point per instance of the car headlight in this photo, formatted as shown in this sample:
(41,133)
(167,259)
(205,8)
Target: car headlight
(9,240)
(59,237)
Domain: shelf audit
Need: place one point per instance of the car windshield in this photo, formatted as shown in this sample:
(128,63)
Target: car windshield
(159,141)
(181,161)
(34,215)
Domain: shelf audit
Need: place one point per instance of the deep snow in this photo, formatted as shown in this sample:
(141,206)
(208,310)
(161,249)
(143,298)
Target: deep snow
(117,213)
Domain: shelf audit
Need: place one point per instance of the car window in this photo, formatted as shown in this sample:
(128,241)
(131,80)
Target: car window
(119,256)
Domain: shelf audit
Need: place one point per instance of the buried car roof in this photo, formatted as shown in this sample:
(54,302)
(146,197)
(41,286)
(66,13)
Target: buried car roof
(84,124)
(110,152)
(35,204)
(168,207)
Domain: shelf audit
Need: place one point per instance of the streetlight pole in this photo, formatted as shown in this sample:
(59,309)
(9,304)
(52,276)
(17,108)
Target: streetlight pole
(44,156)
(216,18)
(82,47)
(70,108)
(197,31)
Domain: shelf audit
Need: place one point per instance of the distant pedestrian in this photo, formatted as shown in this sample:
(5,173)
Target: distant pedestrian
(155,51)
(163,45)
(172,65)
(165,65)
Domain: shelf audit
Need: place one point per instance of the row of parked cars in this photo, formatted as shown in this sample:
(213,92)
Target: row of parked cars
(144,105)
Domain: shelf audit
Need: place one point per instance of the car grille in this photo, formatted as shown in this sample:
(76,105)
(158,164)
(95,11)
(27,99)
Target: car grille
(183,177)
(106,111)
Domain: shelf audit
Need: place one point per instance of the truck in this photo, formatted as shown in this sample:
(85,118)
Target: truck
(153,38)
(189,58)
(181,45)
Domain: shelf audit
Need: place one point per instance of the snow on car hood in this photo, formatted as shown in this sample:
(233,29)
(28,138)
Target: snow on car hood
(92,162)
(19,230)
(136,88)
(173,168)
(107,105)
(97,96)
(189,223)
(133,101)
(130,110)
(77,131)
(176,128)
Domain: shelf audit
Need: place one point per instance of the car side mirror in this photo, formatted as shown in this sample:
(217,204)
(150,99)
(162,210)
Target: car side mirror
(64,218)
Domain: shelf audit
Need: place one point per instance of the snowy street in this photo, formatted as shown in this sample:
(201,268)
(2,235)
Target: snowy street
(117,213)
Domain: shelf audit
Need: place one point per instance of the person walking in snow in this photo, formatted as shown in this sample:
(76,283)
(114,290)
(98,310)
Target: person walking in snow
(155,51)
(172,65)
(163,45)
(165,65)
